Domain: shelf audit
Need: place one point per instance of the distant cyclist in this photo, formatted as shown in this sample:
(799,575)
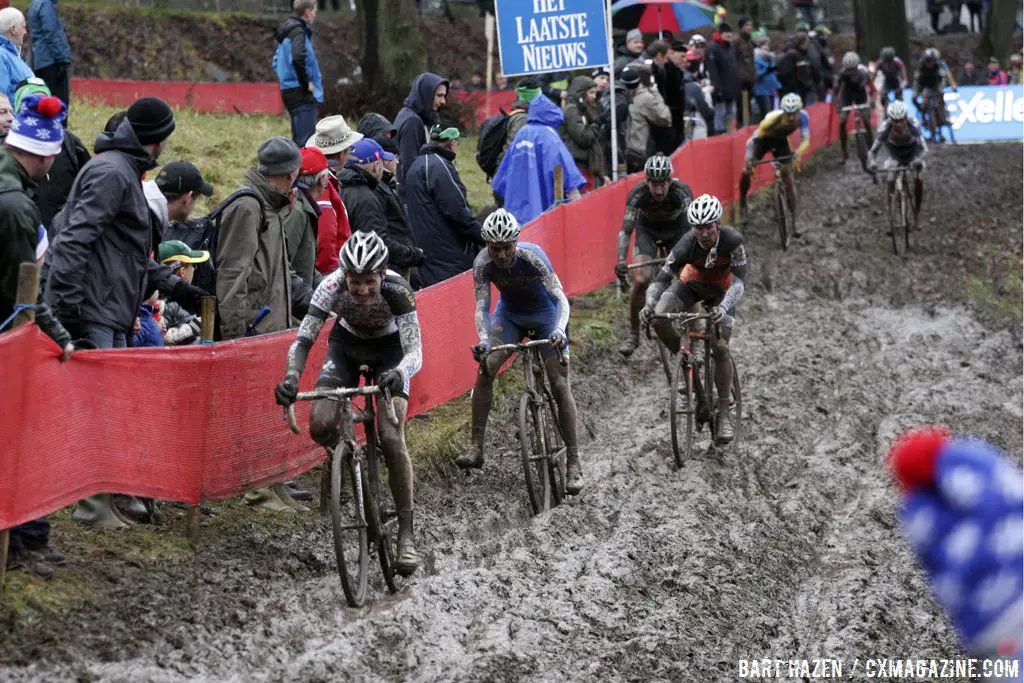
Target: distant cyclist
(853,88)
(900,138)
(532,304)
(890,75)
(376,326)
(772,135)
(708,265)
(930,79)
(656,208)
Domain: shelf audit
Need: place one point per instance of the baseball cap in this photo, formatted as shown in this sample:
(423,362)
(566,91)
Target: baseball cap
(313,161)
(444,134)
(366,151)
(389,145)
(179,177)
(176,250)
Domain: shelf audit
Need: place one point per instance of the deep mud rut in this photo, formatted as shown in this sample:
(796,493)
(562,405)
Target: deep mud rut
(783,547)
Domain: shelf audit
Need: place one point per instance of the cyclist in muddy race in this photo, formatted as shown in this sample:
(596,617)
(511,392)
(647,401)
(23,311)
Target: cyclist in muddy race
(890,75)
(376,326)
(709,266)
(772,135)
(853,87)
(533,305)
(903,144)
(930,79)
(656,208)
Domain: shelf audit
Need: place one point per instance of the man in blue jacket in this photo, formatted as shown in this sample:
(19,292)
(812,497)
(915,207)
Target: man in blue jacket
(13,69)
(442,221)
(51,52)
(429,92)
(298,72)
(526,175)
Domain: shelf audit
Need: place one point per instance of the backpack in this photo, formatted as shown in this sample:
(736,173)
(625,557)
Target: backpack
(204,233)
(491,142)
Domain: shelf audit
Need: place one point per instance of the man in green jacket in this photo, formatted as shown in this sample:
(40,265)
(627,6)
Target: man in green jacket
(26,157)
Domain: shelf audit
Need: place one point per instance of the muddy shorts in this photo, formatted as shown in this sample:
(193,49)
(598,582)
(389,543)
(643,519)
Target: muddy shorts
(684,296)
(508,327)
(347,352)
(648,241)
(778,148)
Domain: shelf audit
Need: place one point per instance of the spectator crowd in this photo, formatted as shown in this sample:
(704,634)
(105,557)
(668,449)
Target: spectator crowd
(126,263)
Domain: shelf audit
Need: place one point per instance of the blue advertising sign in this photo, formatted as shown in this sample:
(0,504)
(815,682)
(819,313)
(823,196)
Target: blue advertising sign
(540,36)
(980,113)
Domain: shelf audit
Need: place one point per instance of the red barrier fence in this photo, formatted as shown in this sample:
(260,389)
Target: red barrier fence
(238,98)
(200,422)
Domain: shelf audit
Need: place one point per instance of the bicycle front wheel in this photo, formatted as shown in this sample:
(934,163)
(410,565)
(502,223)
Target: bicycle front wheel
(782,213)
(349,525)
(682,406)
(534,457)
(899,216)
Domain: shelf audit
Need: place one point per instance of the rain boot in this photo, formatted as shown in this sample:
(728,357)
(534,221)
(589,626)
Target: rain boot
(631,344)
(408,558)
(98,512)
(266,499)
(474,458)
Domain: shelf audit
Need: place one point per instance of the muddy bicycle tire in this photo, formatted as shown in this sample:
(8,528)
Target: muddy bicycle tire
(897,218)
(682,404)
(555,444)
(782,213)
(862,146)
(534,458)
(345,468)
(737,411)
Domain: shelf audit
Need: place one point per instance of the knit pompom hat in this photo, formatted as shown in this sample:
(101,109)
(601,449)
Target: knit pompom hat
(37,126)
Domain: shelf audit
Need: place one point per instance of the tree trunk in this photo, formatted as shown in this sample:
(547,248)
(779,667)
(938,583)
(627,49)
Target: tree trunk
(999,26)
(881,23)
(394,51)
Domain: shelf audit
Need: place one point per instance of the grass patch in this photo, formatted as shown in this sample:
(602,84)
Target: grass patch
(223,146)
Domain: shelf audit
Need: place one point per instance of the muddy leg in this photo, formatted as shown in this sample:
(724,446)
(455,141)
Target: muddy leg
(400,478)
(790,184)
(723,383)
(637,294)
(744,190)
(483,394)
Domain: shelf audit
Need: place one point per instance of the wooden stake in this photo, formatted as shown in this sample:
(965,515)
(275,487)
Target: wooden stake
(27,295)
(207,315)
(559,184)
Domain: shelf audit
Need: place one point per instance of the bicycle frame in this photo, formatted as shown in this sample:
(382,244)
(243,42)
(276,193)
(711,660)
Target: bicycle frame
(784,212)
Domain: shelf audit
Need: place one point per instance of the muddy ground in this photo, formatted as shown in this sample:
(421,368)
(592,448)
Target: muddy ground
(784,547)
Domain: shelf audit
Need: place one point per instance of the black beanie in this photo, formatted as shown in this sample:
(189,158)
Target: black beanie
(151,119)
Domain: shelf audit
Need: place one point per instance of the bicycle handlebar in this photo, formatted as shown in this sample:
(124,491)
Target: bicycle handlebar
(526,346)
(345,394)
(777,160)
(854,107)
(645,264)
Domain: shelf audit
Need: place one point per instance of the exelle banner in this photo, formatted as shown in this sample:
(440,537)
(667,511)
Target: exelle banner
(979,113)
(540,36)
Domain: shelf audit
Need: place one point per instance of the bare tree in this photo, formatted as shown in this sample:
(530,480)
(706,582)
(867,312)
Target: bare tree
(879,23)
(393,49)
(999,26)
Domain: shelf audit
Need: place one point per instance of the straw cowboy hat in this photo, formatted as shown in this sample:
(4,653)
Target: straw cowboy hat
(333,135)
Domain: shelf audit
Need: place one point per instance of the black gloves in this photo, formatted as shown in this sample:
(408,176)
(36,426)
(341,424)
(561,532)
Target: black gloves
(286,391)
(188,295)
(420,258)
(392,381)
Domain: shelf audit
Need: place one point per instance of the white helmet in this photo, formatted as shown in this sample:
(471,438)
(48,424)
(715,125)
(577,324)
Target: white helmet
(658,168)
(704,210)
(791,103)
(897,110)
(500,226)
(931,53)
(363,252)
(851,60)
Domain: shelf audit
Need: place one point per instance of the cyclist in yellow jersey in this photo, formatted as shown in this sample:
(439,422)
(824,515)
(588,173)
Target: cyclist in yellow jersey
(772,135)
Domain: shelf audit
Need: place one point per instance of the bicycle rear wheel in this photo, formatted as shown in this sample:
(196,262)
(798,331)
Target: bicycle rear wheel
(682,410)
(349,525)
(782,213)
(534,457)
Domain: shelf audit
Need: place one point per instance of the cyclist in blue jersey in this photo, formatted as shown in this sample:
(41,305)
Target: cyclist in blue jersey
(532,305)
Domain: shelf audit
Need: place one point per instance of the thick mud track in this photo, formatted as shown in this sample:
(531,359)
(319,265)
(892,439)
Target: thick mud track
(785,546)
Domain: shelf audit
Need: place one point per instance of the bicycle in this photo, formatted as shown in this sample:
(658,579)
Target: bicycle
(928,106)
(860,132)
(902,219)
(542,447)
(368,515)
(783,211)
(693,392)
(663,354)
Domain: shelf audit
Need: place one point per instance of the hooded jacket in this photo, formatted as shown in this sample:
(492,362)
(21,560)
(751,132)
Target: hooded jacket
(296,65)
(526,176)
(604,108)
(373,125)
(412,122)
(797,72)
(696,100)
(402,251)
(646,110)
(581,130)
(767,80)
(252,262)
(441,218)
(19,221)
(100,265)
(13,69)
(723,71)
(49,41)
(743,50)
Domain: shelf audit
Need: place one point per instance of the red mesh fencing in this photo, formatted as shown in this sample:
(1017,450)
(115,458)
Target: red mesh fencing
(200,422)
